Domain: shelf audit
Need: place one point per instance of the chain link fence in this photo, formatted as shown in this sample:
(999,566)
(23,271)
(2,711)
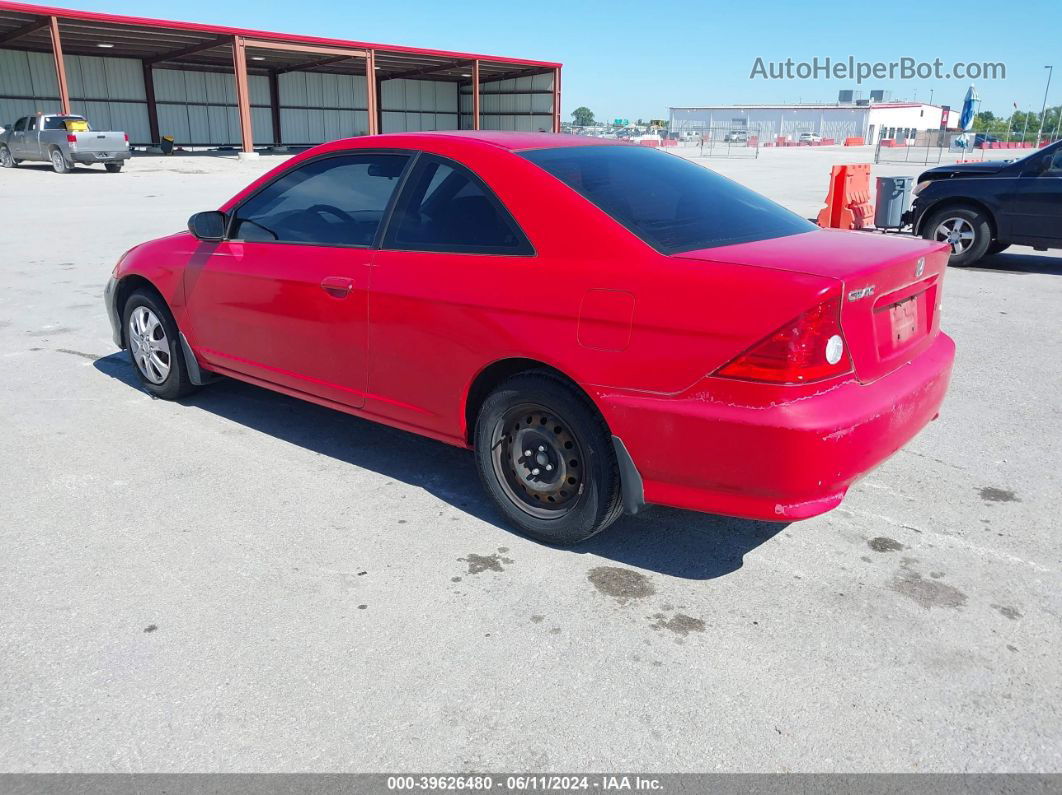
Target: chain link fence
(720,141)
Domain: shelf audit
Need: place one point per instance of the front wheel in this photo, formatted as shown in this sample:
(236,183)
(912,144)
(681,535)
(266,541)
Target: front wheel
(967,231)
(155,347)
(114,168)
(59,162)
(7,160)
(545,456)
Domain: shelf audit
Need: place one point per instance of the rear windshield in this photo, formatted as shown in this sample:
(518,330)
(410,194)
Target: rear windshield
(64,122)
(670,203)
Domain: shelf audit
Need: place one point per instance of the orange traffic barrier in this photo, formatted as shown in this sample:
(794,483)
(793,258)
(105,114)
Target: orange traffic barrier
(854,141)
(848,198)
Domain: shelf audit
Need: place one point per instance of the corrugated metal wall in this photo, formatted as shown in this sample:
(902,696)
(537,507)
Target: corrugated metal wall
(415,105)
(108,91)
(521,103)
(317,107)
(199,108)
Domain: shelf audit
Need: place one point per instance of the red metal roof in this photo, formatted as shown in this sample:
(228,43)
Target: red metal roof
(174,27)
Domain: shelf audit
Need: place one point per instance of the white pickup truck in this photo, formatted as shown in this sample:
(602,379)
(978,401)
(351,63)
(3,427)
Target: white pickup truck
(62,140)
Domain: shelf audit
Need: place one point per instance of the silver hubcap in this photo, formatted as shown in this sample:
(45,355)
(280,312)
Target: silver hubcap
(57,160)
(5,156)
(148,344)
(956,232)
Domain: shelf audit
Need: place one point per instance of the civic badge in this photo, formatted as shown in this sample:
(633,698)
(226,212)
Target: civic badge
(920,268)
(862,292)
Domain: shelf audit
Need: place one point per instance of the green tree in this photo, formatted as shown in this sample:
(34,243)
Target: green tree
(583,116)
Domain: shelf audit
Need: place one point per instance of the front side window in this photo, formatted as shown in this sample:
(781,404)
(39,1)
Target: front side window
(20,125)
(670,203)
(334,201)
(445,207)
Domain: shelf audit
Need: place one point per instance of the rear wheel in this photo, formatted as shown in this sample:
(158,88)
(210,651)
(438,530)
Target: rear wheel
(7,160)
(155,347)
(114,168)
(967,232)
(59,162)
(545,456)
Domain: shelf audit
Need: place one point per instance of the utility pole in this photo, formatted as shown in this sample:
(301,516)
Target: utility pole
(1043,110)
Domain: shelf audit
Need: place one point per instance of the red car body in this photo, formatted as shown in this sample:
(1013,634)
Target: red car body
(413,338)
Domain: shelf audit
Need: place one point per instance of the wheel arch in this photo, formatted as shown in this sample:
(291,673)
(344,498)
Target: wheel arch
(501,370)
(958,203)
(128,285)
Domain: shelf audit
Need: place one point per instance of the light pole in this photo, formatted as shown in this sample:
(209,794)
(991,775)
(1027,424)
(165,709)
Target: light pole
(1050,71)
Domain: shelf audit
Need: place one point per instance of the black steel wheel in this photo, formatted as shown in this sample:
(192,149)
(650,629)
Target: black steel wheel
(546,457)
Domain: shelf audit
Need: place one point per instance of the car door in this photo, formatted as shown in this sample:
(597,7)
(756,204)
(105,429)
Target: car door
(16,139)
(31,144)
(451,256)
(1035,206)
(284,297)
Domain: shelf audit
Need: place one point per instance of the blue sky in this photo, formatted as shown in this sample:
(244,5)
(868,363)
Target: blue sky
(634,59)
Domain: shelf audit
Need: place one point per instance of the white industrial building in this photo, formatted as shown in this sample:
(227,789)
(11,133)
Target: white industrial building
(870,121)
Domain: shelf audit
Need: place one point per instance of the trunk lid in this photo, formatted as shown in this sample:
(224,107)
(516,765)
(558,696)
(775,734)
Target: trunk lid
(890,287)
(99,142)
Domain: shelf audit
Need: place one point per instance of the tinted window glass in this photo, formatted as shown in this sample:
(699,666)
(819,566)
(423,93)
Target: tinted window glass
(59,122)
(670,203)
(31,122)
(335,201)
(446,208)
(20,125)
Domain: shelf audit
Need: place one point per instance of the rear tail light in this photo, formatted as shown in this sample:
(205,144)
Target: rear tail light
(809,348)
(126,138)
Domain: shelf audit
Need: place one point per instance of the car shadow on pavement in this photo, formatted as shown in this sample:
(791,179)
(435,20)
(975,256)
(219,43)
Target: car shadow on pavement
(664,540)
(1006,262)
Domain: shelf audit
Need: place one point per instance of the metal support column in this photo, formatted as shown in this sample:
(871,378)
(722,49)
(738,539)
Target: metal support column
(373,105)
(475,95)
(152,108)
(60,67)
(274,105)
(243,101)
(556,100)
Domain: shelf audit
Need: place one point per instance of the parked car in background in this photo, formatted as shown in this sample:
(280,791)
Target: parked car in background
(64,141)
(605,325)
(810,138)
(984,207)
(980,139)
(736,137)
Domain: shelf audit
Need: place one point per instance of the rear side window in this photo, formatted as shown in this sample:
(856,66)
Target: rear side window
(334,201)
(670,203)
(445,207)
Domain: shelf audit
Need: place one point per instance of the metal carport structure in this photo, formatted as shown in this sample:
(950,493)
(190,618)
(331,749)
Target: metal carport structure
(250,87)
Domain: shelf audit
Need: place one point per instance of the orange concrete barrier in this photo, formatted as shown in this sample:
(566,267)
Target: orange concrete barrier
(848,203)
(854,141)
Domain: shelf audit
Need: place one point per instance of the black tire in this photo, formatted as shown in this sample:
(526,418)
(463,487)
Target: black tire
(963,218)
(176,383)
(6,159)
(60,165)
(996,248)
(114,168)
(565,435)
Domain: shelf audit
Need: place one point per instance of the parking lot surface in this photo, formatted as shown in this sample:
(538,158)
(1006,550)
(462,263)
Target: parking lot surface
(245,582)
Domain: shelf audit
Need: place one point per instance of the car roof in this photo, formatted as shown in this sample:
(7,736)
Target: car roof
(513,141)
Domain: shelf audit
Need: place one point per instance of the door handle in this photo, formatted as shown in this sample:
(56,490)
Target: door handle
(337,286)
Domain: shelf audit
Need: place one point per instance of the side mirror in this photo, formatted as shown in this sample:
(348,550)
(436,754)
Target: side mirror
(208,226)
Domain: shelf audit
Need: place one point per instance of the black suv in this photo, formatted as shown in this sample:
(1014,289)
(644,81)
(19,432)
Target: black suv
(981,208)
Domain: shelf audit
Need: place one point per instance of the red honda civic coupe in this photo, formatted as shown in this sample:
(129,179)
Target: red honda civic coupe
(604,325)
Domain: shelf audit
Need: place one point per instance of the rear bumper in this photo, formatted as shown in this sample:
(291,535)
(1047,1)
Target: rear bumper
(88,158)
(783,461)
